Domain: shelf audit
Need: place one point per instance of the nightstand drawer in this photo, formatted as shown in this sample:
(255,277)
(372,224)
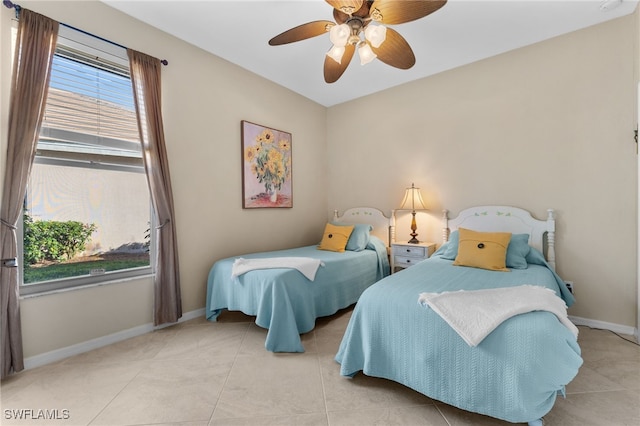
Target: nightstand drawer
(404,261)
(404,255)
(407,251)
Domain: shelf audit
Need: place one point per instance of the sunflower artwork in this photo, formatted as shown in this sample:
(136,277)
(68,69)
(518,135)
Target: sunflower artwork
(266,167)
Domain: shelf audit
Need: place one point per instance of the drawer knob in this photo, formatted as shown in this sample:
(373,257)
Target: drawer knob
(408,250)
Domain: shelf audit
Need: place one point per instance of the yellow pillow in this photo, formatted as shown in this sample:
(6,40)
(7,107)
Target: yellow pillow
(335,237)
(486,250)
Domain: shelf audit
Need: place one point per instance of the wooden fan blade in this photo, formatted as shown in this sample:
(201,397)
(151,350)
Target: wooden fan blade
(346,6)
(363,12)
(302,32)
(340,17)
(395,51)
(391,12)
(333,70)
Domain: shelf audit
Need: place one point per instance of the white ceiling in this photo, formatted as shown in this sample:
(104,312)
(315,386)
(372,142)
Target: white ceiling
(461,32)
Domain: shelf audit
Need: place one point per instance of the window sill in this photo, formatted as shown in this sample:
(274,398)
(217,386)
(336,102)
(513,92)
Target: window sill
(86,286)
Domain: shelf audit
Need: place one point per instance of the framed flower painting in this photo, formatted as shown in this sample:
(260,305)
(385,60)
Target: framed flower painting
(266,167)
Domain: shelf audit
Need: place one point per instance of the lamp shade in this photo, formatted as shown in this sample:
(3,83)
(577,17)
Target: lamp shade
(336,53)
(365,53)
(412,199)
(339,35)
(376,34)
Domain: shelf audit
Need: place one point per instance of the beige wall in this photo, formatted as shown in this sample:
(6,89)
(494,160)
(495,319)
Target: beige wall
(637,79)
(204,100)
(546,126)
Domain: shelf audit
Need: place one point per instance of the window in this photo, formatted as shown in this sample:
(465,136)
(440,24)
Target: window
(87,215)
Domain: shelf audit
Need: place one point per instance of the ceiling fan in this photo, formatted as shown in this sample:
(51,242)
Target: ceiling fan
(353,29)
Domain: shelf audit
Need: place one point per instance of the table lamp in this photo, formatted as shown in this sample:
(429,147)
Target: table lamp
(413,201)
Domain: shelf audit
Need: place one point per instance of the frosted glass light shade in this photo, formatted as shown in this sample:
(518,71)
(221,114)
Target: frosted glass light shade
(336,53)
(375,34)
(365,53)
(339,34)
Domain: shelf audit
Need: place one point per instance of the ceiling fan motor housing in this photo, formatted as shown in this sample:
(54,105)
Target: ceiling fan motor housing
(356,24)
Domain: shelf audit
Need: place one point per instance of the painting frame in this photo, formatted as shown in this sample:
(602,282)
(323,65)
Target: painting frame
(266,167)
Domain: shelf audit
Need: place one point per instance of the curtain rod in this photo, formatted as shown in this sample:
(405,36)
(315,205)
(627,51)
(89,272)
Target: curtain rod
(18,8)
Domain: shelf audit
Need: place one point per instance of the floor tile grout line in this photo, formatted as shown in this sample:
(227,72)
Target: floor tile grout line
(324,389)
(226,379)
(152,359)
(95,417)
(441,413)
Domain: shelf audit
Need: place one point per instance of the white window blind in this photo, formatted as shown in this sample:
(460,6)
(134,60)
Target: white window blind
(90,108)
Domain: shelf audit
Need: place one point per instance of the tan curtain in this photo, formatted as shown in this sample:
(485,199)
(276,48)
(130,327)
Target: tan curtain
(145,78)
(35,45)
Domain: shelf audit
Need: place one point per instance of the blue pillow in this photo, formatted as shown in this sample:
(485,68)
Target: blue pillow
(451,250)
(359,238)
(517,250)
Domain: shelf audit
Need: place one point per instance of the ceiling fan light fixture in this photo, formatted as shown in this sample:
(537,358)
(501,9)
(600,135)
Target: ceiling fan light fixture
(336,53)
(365,53)
(339,35)
(365,26)
(375,34)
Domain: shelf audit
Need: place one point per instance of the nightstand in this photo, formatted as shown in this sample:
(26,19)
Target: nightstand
(404,255)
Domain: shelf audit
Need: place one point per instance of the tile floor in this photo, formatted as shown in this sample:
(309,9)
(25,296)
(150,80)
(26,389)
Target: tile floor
(200,373)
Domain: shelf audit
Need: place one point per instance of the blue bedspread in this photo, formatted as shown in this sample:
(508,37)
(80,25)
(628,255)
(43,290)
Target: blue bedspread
(284,301)
(514,374)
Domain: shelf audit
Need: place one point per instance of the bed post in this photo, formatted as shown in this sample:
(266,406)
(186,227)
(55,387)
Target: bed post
(445,226)
(335,215)
(551,239)
(392,228)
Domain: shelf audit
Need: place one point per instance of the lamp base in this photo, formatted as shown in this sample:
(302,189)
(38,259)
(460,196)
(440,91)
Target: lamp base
(414,227)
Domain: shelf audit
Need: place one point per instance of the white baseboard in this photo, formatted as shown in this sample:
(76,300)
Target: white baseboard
(62,353)
(618,328)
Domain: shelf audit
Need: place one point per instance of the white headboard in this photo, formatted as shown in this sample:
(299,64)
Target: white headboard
(369,215)
(506,219)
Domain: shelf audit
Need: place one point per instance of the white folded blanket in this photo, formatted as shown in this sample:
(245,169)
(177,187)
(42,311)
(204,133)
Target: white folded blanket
(308,266)
(474,314)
